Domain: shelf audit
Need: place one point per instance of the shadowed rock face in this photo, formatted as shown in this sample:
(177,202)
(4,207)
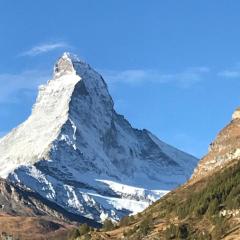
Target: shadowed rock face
(223,150)
(77,152)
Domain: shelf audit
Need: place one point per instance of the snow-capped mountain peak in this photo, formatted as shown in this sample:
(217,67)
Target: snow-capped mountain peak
(77,151)
(69,63)
(64,66)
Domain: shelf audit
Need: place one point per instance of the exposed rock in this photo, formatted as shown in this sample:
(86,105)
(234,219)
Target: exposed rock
(223,150)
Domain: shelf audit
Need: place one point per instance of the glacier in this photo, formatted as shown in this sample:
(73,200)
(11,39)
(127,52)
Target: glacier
(77,151)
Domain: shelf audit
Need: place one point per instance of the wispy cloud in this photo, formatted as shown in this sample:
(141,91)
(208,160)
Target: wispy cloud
(44,48)
(230,74)
(12,84)
(233,72)
(183,79)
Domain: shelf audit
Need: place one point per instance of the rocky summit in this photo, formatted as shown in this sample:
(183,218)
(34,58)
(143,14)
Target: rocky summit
(75,150)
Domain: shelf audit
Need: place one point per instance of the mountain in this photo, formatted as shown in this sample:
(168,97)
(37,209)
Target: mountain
(77,152)
(207,207)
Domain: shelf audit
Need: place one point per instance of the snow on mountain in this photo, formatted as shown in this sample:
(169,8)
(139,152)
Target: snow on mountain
(76,151)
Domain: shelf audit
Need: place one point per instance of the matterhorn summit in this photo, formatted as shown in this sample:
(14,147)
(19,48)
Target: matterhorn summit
(77,152)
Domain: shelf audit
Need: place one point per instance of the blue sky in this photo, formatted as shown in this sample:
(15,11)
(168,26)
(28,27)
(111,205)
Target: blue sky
(172,67)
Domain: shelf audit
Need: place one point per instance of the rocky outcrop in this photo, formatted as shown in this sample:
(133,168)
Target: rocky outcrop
(223,150)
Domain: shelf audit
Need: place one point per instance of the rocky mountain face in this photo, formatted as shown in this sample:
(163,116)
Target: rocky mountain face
(223,150)
(75,151)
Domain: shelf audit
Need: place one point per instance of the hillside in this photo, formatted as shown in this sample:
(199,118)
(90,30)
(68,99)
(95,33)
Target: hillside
(207,207)
(29,228)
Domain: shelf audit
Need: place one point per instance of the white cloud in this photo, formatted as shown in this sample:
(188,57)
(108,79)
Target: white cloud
(232,72)
(44,48)
(183,79)
(12,84)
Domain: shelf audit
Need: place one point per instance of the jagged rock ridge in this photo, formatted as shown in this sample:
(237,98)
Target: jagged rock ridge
(76,151)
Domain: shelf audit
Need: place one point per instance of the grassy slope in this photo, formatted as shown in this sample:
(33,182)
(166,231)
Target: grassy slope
(29,228)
